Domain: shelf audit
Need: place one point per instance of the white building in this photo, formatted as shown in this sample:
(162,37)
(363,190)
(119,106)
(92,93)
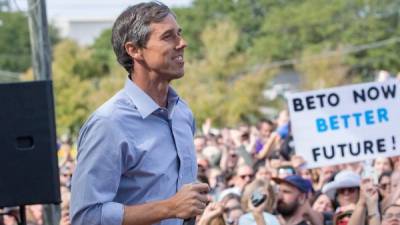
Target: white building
(83,30)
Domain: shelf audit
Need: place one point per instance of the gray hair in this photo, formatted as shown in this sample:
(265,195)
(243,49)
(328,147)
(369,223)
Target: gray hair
(134,25)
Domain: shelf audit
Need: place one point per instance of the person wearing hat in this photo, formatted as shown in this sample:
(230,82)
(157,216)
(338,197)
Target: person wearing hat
(344,189)
(293,204)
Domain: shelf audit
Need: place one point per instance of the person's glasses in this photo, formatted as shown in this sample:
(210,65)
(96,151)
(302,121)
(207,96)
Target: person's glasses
(244,176)
(388,216)
(350,190)
(384,186)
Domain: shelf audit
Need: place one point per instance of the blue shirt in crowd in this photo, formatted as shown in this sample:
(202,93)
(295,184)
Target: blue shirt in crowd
(248,219)
(132,151)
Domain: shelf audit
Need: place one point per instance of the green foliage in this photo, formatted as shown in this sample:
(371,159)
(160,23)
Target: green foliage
(212,86)
(70,89)
(79,88)
(15,50)
(319,73)
(316,25)
(102,52)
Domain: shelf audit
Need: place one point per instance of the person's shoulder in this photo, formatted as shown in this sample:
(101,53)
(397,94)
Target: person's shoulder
(246,219)
(119,102)
(271,219)
(109,111)
(116,109)
(184,106)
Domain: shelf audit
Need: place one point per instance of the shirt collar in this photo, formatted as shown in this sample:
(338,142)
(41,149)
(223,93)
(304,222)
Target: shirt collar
(144,103)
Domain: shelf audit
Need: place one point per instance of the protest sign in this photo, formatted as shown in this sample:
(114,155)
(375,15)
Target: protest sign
(346,124)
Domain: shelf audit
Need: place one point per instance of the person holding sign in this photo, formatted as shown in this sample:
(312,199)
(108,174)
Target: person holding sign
(344,189)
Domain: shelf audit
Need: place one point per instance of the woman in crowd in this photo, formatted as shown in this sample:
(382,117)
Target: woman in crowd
(258,201)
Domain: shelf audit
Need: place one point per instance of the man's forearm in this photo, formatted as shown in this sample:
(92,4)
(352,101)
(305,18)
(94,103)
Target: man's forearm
(147,214)
(259,218)
(358,216)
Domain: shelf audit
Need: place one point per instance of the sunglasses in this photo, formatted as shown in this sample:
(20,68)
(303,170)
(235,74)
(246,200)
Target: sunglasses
(250,176)
(350,190)
(384,186)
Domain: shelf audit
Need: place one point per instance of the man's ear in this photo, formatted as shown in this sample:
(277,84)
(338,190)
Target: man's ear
(302,198)
(133,51)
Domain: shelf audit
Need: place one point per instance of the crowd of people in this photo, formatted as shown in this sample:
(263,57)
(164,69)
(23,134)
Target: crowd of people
(255,177)
(242,164)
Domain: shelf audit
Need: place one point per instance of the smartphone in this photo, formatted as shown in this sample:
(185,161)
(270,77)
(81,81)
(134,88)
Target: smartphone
(257,198)
(370,172)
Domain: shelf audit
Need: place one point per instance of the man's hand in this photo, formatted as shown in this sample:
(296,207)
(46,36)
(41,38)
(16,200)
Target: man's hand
(370,193)
(258,212)
(311,215)
(213,210)
(297,161)
(190,201)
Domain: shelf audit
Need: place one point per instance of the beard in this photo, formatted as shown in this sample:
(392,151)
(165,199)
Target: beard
(287,209)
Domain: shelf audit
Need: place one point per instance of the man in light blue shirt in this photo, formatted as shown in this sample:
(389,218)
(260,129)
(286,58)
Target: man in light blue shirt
(136,158)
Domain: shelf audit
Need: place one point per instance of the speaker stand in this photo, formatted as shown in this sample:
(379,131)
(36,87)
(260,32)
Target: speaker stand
(22,215)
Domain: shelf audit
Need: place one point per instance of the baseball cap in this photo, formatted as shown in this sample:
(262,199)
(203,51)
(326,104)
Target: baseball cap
(296,181)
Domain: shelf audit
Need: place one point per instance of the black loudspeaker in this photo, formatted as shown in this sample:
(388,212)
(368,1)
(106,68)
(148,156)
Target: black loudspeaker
(28,151)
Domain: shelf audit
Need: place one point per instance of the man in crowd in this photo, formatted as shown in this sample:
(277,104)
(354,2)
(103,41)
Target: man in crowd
(293,204)
(136,159)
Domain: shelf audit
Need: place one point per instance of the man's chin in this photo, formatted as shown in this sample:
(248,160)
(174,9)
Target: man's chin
(179,74)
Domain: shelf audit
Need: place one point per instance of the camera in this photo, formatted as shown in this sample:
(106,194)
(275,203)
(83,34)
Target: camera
(257,198)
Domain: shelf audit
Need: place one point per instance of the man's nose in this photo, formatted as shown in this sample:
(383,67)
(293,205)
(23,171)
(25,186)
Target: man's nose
(182,43)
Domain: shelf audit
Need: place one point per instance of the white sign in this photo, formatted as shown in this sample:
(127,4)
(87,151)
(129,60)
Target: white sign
(346,124)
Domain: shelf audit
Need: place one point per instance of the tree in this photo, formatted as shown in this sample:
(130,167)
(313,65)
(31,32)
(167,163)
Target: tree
(322,72)
(212,86)
(313,25)
(15,50)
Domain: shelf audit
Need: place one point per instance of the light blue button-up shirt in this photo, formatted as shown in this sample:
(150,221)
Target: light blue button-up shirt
(131,151)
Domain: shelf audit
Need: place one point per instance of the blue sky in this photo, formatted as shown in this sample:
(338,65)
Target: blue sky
(90,8)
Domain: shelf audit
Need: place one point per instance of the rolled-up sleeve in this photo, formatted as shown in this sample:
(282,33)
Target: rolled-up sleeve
(97,176)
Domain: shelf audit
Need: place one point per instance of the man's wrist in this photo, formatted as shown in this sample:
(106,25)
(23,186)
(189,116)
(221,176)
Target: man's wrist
(167,209)
(258,215)
(372,211)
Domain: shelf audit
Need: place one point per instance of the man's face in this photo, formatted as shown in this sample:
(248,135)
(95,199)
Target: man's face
(289,199)
(163,53)
(265,130)
(391,216)
(245,175)
(323,204)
